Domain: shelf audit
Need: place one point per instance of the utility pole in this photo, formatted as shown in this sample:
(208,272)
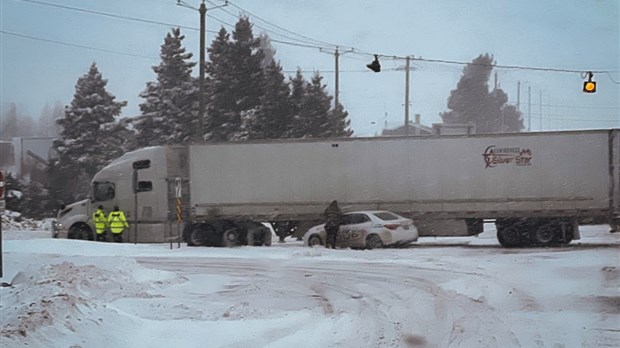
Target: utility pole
(540,109)
(337,55)
(407,63)
(201,65)
(518,95)
(529,108)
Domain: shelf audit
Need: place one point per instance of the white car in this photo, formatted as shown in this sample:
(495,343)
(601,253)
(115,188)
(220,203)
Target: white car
(367,229)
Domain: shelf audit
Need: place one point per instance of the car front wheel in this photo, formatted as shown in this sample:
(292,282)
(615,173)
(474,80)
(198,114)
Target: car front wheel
(314,240)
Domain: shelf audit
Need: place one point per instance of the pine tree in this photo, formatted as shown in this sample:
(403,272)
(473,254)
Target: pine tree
(47,126)
(219,103)
(169,111)
(37,203)
(297,126)
(315,107)
(10,124)
(471,101)
(235,82)
(275,113)
(90,136)
(269,52)
(311,113)
(13,193)
(339,123)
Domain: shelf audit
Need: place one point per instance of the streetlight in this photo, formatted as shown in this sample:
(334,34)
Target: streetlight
(201,82)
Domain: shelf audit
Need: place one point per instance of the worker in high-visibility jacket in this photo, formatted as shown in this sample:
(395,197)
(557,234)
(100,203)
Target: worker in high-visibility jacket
(101,223)
(117,223)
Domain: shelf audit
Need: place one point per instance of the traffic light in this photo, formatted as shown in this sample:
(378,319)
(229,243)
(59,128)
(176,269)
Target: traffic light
(589,86)
(375,66)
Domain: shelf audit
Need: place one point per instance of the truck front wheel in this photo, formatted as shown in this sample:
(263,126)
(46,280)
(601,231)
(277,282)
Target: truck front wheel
(80,231)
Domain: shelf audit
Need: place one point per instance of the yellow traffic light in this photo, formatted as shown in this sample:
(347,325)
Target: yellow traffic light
(589,86)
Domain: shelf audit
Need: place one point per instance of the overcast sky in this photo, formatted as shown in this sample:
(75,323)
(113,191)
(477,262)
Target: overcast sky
(575,35)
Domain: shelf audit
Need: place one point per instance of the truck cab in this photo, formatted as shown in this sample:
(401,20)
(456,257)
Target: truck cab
(139,183)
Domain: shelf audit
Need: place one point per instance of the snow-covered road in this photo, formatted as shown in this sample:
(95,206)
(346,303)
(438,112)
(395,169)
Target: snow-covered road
(459,292)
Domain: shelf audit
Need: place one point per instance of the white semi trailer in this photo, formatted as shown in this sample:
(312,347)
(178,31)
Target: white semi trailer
(535,186)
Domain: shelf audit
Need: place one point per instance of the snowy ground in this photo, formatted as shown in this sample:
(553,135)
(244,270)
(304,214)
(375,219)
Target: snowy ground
(455,292)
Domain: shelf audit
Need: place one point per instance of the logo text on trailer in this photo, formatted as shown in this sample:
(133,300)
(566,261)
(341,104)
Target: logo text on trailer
(494,156)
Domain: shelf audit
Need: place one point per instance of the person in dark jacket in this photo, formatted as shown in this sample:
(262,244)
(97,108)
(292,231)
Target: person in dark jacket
(333,219)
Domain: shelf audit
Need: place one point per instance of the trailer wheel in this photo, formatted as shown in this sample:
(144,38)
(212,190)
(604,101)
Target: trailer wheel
(508,236)
(230,237)
(199,235)
(314,240)
(544,234)
(267,237)
(373,241)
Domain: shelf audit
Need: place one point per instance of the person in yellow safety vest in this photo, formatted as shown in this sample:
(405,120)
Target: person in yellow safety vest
(101,223)
(117,223)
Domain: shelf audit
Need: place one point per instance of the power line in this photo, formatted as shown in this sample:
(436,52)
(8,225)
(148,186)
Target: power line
(286,30)
(74,45)
(107,14)
(307,45)
(142,20)
(578,107)
(518,67)
(556,118)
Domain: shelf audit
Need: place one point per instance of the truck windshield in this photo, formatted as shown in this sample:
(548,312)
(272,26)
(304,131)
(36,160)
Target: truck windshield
(103,191)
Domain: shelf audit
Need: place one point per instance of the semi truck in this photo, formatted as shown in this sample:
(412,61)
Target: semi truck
(535,186)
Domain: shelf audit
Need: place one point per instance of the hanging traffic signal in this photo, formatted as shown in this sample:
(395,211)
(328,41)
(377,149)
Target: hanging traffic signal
(374,66)
(589,86)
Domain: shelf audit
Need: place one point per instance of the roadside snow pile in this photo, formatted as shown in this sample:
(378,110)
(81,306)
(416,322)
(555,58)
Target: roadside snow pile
(12,220)
(51,300)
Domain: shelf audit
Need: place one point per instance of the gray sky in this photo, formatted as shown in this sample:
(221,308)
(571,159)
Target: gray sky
(574,35)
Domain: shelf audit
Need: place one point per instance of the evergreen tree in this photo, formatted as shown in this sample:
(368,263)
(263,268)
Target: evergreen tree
(169,111)
(90,138)
(219,103)
(339,123)
(315,107)
(297,126)
(10,124)
(47,126)
(13,193)
(269,52)
(471,101)
(235,82)
(25,126)
(275,113)
(37,203)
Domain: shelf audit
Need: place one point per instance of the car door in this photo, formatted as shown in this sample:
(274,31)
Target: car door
(354,229)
